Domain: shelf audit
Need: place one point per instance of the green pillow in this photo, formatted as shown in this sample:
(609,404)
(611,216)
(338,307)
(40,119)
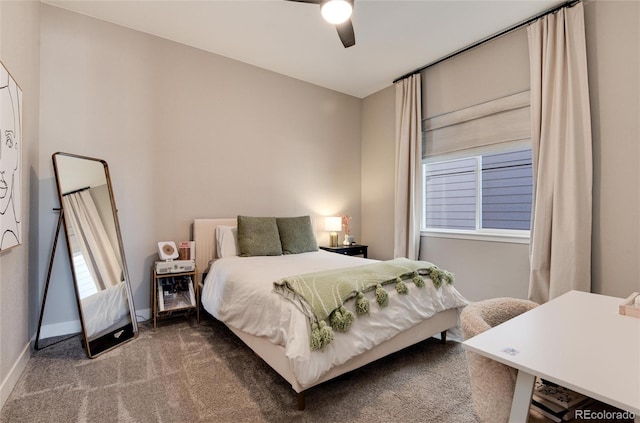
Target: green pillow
(258,236)
(296,234)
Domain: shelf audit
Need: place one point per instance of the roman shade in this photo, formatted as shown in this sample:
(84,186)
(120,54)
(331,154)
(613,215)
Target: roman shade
(506,119)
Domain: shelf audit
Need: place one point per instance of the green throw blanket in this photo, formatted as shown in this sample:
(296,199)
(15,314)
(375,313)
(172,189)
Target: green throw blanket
(321,295)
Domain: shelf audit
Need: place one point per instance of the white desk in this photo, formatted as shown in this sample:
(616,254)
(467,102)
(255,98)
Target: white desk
(578,341)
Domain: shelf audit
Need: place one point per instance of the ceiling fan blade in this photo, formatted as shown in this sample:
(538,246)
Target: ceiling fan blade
(345,29)
(346,34)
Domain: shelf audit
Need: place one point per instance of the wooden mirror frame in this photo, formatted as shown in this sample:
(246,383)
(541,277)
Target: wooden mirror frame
(122,331)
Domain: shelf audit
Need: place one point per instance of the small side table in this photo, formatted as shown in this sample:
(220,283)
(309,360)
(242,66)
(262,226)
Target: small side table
(174,293)
(348,250)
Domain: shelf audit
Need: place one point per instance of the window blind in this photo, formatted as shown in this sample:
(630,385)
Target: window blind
(506,119)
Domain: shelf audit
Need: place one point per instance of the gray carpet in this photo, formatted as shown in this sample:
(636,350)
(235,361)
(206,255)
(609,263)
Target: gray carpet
(185,372)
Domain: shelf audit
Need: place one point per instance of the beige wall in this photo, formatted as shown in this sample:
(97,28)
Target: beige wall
(483,269)
(489,269)
(613,56)
(186,134)
(162,114)
(378,127)
(492,70)
(19,295)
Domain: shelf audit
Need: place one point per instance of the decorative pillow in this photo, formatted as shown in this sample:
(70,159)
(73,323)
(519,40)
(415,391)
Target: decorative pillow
(226,241)
(258,236)
(296,235)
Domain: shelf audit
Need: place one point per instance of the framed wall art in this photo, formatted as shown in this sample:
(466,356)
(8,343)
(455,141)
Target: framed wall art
(10,161)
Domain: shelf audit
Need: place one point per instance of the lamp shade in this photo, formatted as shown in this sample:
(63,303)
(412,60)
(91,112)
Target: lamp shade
(333,224)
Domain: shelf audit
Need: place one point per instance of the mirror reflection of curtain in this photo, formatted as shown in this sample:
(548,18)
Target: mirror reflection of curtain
(91,242)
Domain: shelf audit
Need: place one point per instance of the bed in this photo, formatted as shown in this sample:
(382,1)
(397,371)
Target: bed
(105,311)
(235,285)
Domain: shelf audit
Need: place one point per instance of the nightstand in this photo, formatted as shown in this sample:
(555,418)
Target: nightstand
(174,294)
(348,250)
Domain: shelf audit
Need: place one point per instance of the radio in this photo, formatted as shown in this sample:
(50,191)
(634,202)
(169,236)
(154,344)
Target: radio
(175,266)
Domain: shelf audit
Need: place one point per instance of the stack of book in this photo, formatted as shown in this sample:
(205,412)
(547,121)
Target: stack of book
(555,402)
(175,292)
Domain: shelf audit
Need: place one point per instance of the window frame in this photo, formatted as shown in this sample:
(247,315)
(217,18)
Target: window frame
(479,233)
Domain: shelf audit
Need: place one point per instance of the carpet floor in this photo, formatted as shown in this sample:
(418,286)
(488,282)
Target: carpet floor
(185,372)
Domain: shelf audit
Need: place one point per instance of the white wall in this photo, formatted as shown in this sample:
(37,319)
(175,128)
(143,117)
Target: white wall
(19,295)
(162,114)
(489,269)
(613,58)
(186,134)
(493,70)
(378,175)
(483,269)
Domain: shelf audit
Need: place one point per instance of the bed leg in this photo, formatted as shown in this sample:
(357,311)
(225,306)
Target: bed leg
(443,337)
(301,400)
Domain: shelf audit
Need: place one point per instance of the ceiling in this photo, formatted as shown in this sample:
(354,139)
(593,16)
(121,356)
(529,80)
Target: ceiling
(393,37)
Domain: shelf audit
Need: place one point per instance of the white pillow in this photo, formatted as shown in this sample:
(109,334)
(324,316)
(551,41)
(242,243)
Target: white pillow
(226,241)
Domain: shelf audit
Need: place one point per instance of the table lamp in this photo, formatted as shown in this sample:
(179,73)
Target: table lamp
(333,225)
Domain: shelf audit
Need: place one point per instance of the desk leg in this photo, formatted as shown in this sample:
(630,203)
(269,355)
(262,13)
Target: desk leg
(522,397)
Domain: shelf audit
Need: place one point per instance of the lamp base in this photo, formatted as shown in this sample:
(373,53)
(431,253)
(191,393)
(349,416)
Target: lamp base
(333,239)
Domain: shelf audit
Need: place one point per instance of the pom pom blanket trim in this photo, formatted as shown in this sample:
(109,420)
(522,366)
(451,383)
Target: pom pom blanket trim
(322,295)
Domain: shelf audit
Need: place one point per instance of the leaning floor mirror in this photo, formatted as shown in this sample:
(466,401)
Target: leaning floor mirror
(96,253)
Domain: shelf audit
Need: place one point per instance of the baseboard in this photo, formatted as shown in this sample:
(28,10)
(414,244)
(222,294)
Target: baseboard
(143,315)
(67,328)
(18,367)
(60,329)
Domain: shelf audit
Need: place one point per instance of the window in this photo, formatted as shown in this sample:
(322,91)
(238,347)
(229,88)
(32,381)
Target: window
(507,190)
(477,170)
(84,278)
(451,194)
(86,285)
(485,193)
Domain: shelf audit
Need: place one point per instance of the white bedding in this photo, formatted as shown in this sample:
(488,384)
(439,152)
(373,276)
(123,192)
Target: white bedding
(239,292)
(104,309)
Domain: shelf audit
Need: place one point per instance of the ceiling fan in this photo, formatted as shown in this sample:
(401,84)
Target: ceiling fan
(337,12)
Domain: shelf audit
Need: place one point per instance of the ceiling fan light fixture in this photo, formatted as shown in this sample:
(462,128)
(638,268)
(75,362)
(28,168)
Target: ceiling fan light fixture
(336,11)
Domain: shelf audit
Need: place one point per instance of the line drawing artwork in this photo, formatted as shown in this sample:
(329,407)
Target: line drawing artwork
(10,161)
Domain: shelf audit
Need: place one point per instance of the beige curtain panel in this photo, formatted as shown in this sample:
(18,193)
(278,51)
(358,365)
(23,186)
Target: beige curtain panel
(91,239)
(408,195)
(562,156)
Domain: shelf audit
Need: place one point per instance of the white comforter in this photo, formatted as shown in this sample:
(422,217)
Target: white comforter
(239,292)
(102,310)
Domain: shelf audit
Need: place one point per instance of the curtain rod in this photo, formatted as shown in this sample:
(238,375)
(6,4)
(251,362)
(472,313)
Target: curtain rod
(76,191)
(554,9)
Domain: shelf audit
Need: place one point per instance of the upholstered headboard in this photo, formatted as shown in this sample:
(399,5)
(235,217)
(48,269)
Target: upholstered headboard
(204,235)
